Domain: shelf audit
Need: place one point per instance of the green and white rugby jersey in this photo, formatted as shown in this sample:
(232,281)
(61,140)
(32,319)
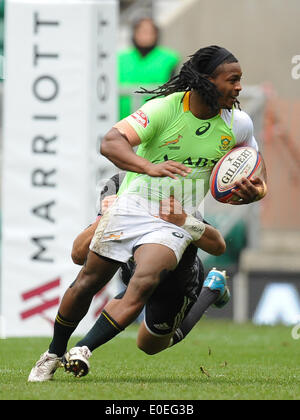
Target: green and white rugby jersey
(169,131)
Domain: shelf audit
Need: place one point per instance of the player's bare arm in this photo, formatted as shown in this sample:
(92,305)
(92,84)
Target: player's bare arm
(211,240)
(117,146)
(81,244)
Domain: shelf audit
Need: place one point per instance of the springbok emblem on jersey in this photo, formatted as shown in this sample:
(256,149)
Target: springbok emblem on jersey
(225,143)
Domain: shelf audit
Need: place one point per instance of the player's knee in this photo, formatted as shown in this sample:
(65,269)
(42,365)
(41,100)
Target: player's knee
(147,350)
(154,346)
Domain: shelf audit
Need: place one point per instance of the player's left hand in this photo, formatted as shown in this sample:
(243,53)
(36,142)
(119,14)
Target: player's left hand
(248,191)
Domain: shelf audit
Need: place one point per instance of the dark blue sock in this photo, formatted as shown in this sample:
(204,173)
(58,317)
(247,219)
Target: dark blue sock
(103,331)
(63,329)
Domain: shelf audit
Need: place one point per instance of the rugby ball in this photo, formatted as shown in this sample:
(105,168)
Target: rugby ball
(240,162)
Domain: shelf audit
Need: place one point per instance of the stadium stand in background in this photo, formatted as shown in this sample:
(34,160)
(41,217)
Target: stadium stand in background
(282,150)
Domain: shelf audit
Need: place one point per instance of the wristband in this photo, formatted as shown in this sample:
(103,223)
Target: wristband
(194,227)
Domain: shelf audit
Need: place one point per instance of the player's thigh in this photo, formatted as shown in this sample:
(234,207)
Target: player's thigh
(154,258)
(153,263)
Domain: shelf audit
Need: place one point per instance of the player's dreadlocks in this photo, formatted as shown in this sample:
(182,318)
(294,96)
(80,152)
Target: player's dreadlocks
(194,75)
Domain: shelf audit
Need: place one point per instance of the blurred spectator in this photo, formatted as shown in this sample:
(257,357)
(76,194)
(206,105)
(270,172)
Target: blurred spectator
(146,63)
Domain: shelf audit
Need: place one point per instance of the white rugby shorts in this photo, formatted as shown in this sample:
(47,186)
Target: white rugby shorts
(129,224)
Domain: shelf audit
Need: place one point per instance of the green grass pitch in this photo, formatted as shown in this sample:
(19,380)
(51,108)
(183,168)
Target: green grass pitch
(218,360)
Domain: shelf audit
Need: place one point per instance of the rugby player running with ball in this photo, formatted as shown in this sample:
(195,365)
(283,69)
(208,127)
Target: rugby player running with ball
(176,154)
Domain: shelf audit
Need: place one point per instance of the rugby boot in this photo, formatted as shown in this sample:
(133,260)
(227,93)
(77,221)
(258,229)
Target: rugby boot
(76,361)
(45,368)
(217,280)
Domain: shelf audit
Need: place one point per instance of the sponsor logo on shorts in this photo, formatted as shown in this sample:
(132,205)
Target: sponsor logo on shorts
(178,234)
(141,118)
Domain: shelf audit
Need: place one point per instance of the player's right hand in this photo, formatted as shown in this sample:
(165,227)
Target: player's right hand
(169,168)
(248,191)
